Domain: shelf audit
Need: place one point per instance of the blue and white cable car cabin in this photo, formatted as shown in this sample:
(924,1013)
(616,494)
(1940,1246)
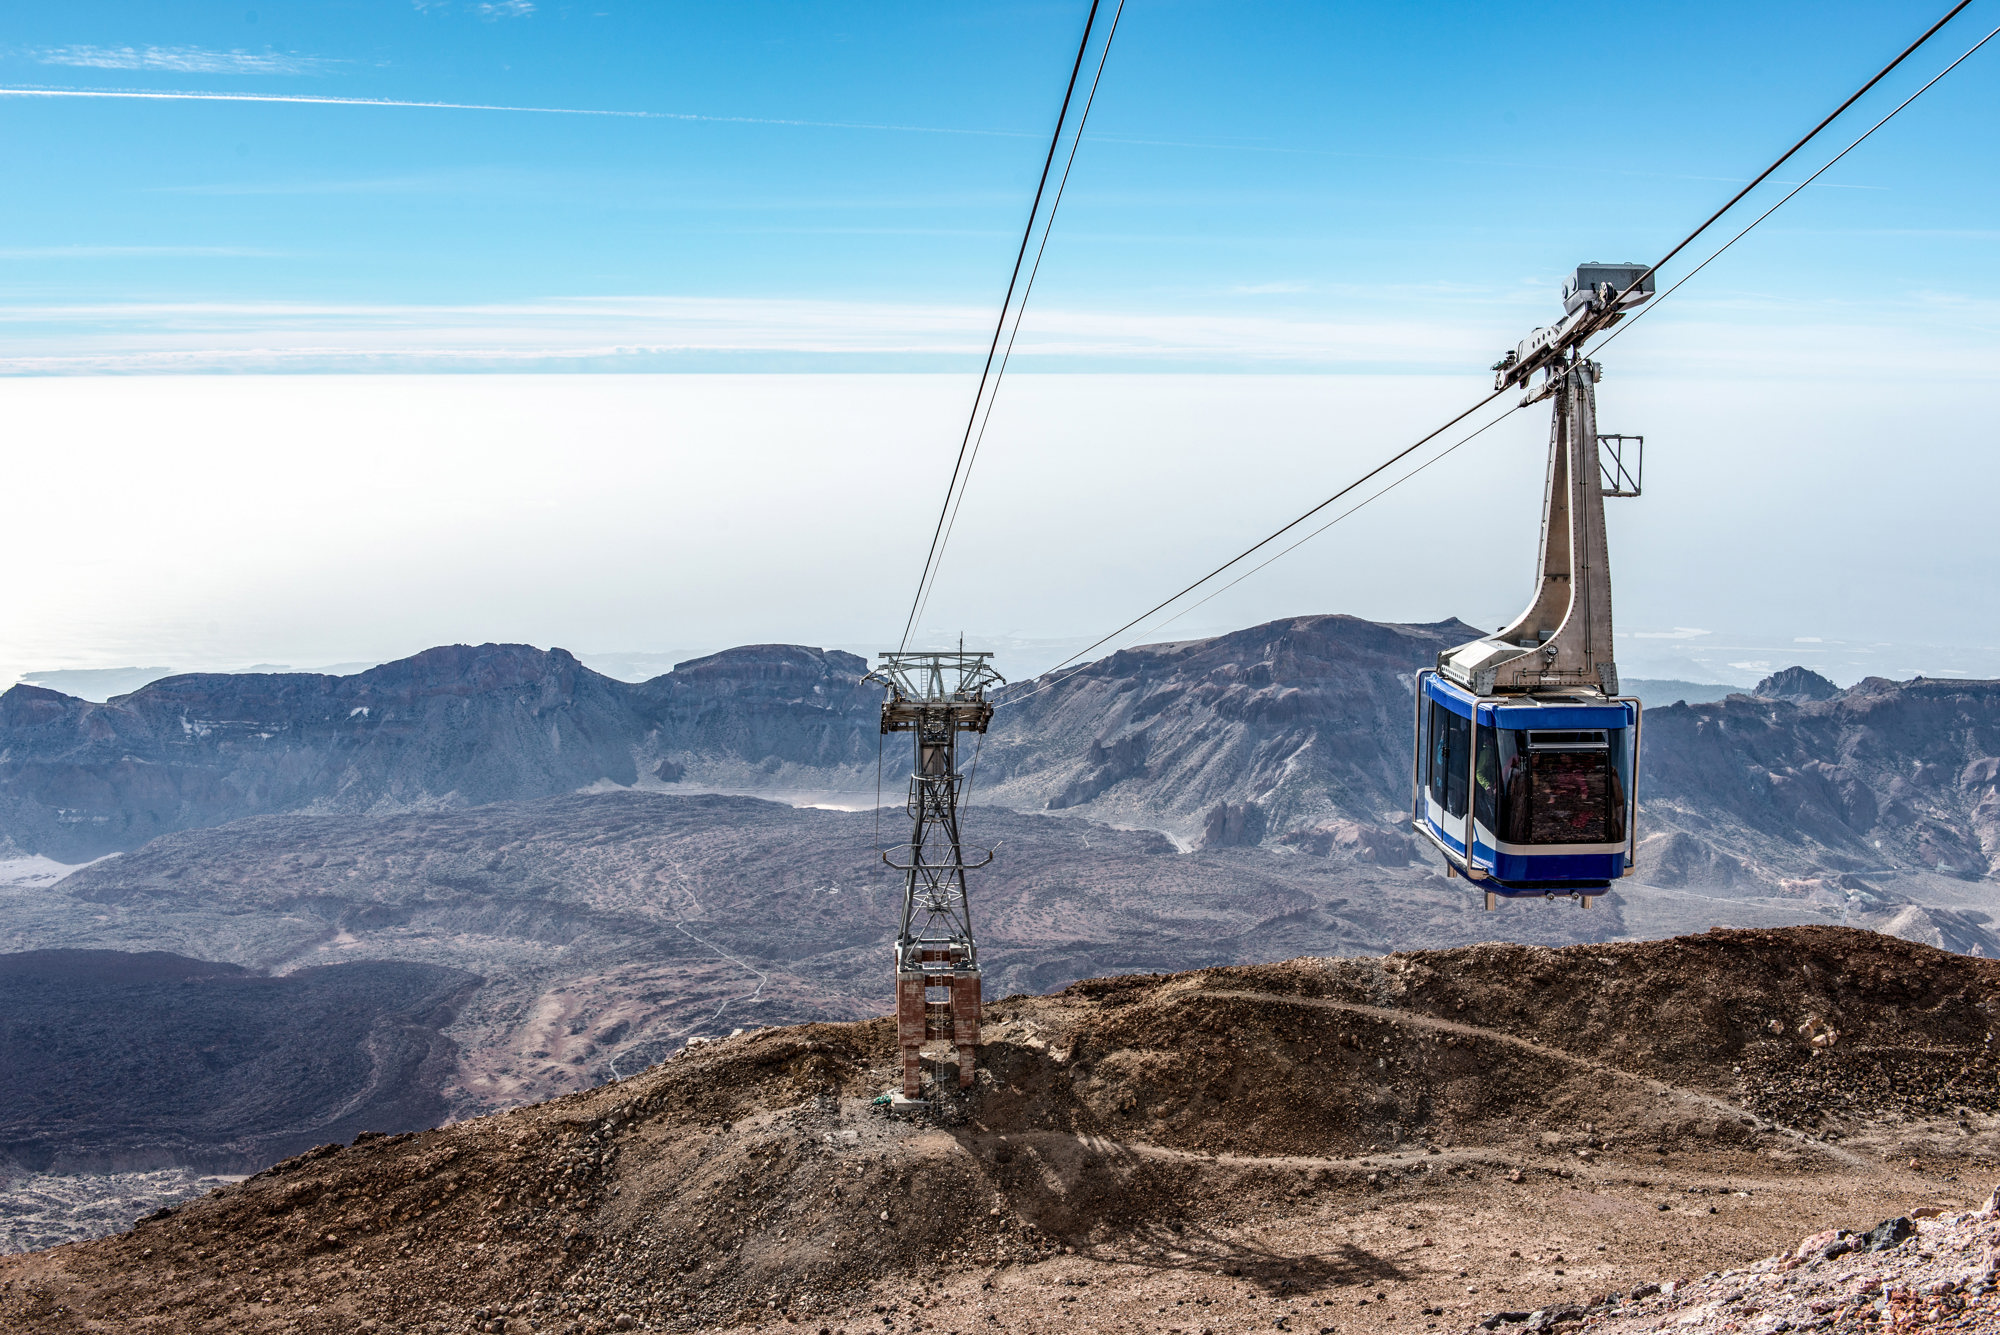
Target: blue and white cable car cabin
(1526,754)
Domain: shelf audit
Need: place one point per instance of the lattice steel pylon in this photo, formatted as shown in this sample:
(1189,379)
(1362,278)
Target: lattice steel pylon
(936,696)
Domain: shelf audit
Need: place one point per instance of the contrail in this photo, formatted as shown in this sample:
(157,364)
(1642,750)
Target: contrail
(310,99)
(303,97)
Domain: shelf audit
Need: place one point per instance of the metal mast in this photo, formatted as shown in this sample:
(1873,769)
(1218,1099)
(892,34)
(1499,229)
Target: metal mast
(1563,640)
(936,696)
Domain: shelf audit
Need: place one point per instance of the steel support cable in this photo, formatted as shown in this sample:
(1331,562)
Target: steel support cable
(1048,225)
(1266,541)
(1717,253)
(1406,452)
(1369,500)
(1358,505)
(1810,135)
(993,349)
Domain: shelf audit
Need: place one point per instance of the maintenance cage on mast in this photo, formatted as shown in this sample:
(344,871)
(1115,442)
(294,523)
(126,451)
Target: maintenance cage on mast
(936,696)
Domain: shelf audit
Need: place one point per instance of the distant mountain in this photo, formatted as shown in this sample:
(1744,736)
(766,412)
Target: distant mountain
(1280,730)
(1665,691)
(763,717)
(1798,684)
(1299,733)
(1293,734)
(95,683)
(1884,777)
(452,726)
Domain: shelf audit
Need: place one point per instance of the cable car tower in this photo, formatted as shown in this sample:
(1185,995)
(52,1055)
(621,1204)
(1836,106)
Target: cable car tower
(1525,750)
(936,696)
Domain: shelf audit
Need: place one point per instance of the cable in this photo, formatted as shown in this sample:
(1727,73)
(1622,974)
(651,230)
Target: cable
(1652,304)
(1083,119)
(1442,454)
(1358,505)
(1266,541)
(1810,134)
(1027,234)
(972,775)
(1407,451)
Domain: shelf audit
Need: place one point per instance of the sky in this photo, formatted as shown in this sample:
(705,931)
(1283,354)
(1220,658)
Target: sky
(645,329)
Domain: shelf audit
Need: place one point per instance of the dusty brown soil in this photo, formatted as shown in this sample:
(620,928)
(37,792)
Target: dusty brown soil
(1400,1143)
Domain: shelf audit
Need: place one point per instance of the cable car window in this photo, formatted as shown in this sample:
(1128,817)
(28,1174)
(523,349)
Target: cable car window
(1562,787)
(1451,756)
(1486,779)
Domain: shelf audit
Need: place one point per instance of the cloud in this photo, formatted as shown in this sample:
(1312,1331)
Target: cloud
(666,333)
(485,9)
(1677,633)
(179,59)
(136,252)
(1374,333)
(161,95)
(151,95)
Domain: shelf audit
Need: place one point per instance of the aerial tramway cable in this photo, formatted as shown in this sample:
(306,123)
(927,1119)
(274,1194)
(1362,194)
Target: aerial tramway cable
(1783,158)
(1404,453)
(1000,325)
(1048,225)
(1717,252)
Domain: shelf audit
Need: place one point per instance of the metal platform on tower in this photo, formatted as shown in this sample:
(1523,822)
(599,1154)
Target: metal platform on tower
(935,697)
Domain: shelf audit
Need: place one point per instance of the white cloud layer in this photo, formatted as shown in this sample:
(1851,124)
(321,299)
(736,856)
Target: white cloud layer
(1385,332)
(179,59)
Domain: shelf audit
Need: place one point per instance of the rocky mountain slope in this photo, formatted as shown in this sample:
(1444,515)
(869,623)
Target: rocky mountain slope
(1934,1269)
(1295,733)
(1298,725)
(1862,786)
(1422,1141)
(453,726)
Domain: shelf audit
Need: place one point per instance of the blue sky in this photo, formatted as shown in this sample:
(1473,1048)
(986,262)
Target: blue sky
(1362,205)
(1299,164)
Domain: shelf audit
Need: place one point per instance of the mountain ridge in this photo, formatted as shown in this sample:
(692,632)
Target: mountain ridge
(1294,733)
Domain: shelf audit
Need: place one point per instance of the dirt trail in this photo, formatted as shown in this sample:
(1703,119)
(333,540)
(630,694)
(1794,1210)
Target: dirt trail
(1690,1097)
(1402,1143)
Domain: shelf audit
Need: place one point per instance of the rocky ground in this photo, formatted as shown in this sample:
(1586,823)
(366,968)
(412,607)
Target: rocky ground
(1930,1270)
(1421,1141)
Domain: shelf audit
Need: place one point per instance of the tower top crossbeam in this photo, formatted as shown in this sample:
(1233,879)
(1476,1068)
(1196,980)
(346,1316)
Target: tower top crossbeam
(945,677)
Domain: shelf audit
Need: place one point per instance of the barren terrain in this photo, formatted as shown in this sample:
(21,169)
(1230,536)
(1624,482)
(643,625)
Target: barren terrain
(608,928)
(1409,1142)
